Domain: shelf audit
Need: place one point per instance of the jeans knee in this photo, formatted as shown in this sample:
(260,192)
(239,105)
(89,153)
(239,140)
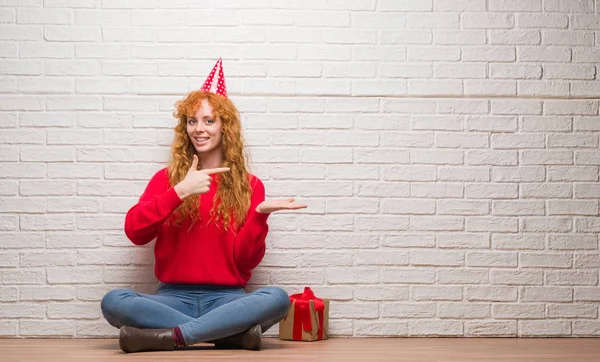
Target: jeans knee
(281,300)
(110,305)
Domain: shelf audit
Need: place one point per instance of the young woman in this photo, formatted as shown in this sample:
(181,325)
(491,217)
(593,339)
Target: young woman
(209,218)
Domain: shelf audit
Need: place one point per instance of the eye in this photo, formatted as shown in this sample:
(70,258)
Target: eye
(209,121)
(191,121)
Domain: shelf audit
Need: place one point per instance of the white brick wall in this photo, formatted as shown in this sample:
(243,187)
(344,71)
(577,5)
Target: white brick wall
(448,150)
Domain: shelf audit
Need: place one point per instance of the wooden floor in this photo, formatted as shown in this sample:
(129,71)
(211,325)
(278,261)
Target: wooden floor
(336,349)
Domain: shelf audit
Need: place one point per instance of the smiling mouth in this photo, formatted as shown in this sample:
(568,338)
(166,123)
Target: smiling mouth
(201,139)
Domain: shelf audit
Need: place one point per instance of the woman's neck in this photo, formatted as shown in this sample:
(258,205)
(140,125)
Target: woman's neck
(212,159)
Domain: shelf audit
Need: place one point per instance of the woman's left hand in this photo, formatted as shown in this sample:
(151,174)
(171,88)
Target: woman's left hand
(269,206)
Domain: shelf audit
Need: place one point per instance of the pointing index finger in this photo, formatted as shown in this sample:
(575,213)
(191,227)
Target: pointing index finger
(211,171)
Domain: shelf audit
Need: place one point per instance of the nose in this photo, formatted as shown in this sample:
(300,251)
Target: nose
(199,128)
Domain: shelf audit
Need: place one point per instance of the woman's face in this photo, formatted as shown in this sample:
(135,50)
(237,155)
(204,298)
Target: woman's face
(204,129)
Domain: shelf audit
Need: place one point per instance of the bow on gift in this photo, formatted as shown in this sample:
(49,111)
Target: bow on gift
(302,318)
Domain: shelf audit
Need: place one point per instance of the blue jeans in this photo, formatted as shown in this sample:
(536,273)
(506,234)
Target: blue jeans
(202,312)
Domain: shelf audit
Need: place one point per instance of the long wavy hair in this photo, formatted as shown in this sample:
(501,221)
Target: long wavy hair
(232,201)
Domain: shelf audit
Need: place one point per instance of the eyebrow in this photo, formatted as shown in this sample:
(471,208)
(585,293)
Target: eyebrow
(205,117)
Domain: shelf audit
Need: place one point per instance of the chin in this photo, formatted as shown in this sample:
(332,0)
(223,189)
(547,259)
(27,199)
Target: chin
(204,149)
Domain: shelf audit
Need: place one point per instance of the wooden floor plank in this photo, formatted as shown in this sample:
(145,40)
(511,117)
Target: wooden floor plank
(335,349)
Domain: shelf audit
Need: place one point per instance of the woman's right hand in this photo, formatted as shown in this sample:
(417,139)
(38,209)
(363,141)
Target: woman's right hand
(197,181)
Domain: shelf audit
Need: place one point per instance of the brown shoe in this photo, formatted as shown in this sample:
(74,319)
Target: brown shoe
(250,339)
(139,340)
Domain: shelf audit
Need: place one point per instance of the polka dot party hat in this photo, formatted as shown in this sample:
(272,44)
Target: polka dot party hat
(214,84)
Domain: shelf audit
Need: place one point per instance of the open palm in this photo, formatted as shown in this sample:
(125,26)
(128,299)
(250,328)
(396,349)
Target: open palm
(269,206)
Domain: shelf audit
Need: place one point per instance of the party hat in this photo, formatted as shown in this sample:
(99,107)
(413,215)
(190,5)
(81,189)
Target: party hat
(216,84)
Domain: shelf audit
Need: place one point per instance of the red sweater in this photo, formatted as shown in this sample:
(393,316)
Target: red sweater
(199,253)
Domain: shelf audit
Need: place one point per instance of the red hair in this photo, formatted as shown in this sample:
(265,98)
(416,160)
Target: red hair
(232,201)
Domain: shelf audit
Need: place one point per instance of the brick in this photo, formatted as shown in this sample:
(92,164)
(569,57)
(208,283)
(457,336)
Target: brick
(542,20)
(379,293)
(515,37)
(395,276)
(354,310)
(437,257)
(436,190)
(354,276)
(516,6)
(359,206)
(518,311)
(437,223)
(46,293)
(518,242)
(407,310)
(407,206)
(408,240)
(435,293)
(351,240)
(22,310)
(459,37)
(384,156)
(73,310)
(96,329)
(512,208)
(491,328)
(492,259)
(547,260)
(435,327)
(381,223)
(490,294)
(459,173)
(518,174)
(380,328)
(546,157)
(74,275)
(326,223)
(123,275)
(11,294)
(460,207)
(435,87)
(46,328)
(463,241)
(9,188)
(570,107)
(544,328)
(586,260)
(572,173)
(385,189)
(487,21)
(572,207)
(453,5)
(485,53)
(587,190)
(495,158)
(458,276)
(498,224)
(546,224)
(433,54)
(463,310)
(537,54)
(519,277)
(23,276)
(567,277)
(409,173)
(585,328)
(491,191)
(372,257)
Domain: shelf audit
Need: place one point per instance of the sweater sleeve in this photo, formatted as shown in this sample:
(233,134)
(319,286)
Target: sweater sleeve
(250,240)
(158,201)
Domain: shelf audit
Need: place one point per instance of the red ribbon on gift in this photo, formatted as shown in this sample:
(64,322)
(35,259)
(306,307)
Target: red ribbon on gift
(302,313)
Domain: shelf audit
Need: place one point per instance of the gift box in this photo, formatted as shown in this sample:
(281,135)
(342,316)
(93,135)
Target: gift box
(307,319)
